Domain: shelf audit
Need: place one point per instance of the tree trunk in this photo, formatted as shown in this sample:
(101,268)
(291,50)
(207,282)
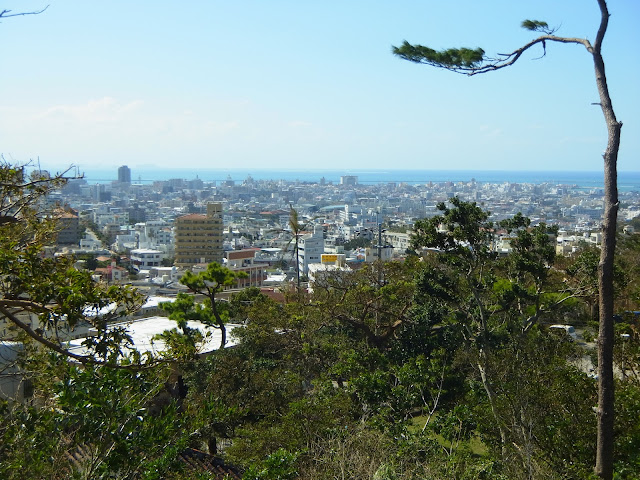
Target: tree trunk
(488,388)
(221,326)
(604,449)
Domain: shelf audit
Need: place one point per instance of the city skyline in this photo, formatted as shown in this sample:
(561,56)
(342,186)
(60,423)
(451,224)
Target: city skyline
(283,85)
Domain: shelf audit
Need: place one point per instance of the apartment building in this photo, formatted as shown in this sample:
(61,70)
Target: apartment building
(198,238)
(244,261)
(310,249)
(68,230)
(144,258)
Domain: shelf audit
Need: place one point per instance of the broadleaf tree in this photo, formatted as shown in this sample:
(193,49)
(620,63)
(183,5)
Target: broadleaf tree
(488,299)
(45,296)
(473,61)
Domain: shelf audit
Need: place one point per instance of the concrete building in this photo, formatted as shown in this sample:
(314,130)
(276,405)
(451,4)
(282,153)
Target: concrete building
(111,273)
(399,241)
(310,249)
(15,384)
(330,265)
(371,253)
(124,174)
(68,227)
(244,261)
(144,259)
(349,180)
(199,238)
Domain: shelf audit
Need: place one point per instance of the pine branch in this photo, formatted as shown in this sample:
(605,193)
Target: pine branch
(473,61)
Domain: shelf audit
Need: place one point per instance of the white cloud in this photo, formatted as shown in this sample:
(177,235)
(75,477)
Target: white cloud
(103,110)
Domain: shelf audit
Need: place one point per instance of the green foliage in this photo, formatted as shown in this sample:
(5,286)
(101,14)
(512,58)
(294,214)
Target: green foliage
(358,242)
(371,303)
(102,422)
(51,289)
(536,26)
(280,465)
(627,430)
(582,271)
(210,312)
(240,303)
(435,367)
(451,57)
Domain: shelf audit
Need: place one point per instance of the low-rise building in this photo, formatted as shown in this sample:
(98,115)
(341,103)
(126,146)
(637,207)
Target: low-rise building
(145,259)
(244,261)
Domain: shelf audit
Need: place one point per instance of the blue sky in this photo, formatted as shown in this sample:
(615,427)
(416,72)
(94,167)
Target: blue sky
(300,84)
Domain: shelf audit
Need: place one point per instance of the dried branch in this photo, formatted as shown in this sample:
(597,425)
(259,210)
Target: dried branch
(7,13)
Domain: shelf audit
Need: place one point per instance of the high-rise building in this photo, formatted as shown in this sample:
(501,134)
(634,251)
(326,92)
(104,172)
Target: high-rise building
(198,238)
(124,174)
(349,180)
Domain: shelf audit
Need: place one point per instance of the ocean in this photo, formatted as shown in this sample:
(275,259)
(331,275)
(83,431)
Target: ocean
(627,181)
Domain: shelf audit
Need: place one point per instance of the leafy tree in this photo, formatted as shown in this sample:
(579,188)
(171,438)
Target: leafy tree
(241,302)
(90,413)
(628,257)
(364,303)
(583,277)
(474,61)
(487,299)
(208,283)
(99,422)
(41,296)
(358,242)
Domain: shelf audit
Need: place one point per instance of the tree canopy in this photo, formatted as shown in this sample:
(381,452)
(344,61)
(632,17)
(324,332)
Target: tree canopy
(475,61)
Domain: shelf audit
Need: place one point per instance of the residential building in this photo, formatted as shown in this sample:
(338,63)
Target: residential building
(244,261)
(68,227)
(330,265)
(111,273)
(400,242)
(310,249)
(371,253)
(144,259)
(199,238)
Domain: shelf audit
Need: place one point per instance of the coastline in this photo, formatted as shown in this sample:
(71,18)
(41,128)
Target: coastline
(627,181)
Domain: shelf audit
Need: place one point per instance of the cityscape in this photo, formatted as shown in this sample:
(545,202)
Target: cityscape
(254,214)
(284,240)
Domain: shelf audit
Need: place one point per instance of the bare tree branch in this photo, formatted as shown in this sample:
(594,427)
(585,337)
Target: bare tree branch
(7,13)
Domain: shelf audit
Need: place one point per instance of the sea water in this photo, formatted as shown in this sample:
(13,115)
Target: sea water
(627,181)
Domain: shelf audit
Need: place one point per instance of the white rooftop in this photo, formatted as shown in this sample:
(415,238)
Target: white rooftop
(142,333)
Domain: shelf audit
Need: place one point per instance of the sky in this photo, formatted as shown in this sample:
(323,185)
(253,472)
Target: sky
(287,84)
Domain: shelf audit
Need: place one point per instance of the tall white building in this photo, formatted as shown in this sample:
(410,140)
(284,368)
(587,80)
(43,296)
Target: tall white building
(310,249)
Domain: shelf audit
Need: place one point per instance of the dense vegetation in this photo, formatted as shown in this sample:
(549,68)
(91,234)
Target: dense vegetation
(438,366)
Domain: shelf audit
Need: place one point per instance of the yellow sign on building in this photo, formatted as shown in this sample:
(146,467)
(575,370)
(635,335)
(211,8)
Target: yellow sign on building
(328,258)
